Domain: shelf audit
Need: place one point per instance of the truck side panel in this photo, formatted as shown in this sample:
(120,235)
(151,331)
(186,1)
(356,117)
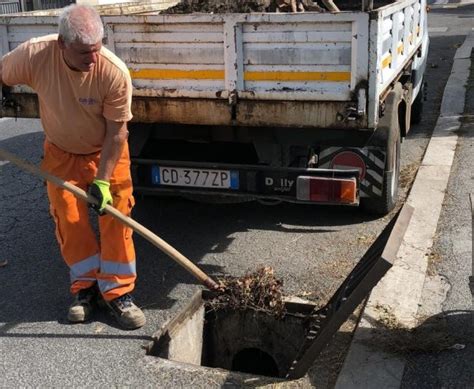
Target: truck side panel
(396,34)
(249,60)
(231,67)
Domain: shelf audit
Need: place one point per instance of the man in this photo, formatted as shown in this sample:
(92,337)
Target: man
(85,95)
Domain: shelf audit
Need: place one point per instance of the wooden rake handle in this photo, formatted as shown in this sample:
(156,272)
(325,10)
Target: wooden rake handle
(129,222)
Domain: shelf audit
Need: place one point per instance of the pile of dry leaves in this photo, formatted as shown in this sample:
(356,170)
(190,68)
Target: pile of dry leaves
(260,291)
(243,6)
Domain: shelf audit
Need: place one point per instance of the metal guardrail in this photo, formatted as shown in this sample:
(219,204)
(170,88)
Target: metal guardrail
(15,6)
(53,4)
(10,7)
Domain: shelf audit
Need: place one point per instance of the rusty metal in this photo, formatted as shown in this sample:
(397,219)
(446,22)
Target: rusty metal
(309,114)
(303,114)
(181,111)
(378,259)
(20,105)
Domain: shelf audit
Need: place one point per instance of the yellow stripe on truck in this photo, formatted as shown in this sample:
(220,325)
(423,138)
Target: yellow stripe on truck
(298,76)
(175,74)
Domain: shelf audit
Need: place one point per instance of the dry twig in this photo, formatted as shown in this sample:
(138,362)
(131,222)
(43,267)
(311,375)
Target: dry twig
(259,291)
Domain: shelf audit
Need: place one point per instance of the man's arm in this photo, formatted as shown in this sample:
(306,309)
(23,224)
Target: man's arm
(115,137)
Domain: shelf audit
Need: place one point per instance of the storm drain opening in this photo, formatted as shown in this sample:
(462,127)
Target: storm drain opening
(280,343)
(255,361)
(245,341)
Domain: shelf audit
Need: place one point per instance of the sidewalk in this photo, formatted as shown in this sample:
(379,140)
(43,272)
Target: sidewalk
(446,295)
(406,297)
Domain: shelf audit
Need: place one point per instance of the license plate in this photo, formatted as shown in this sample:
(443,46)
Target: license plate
(199,178)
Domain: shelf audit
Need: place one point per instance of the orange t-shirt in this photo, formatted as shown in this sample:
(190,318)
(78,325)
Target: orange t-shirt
(74,105)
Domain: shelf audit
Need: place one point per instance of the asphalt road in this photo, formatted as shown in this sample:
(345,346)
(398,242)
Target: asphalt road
(311,248)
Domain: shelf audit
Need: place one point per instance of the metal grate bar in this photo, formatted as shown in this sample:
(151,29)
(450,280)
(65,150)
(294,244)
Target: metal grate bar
(366,274)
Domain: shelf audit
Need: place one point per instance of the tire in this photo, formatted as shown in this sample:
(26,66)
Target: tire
(417,107)
(387,201)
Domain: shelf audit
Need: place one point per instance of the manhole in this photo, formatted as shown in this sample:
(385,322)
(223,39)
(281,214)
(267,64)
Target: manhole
(243,341)
(255,342)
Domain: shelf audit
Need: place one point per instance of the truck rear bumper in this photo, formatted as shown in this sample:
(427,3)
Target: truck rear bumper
(319,186)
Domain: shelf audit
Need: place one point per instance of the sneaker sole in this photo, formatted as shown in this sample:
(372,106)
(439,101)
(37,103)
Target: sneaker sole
(78,318)
(127,326)
(135,326)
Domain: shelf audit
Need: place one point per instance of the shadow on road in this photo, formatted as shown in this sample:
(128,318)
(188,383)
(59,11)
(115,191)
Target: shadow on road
(434,337)
(35,283)
(34,286)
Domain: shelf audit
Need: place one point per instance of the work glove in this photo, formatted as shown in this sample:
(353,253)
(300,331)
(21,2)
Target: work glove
(100,189)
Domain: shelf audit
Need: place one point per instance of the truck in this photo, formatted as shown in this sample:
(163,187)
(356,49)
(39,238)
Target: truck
(304,107)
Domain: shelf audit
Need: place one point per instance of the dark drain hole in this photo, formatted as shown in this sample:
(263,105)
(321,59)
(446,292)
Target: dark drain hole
(244,341)
(255,361)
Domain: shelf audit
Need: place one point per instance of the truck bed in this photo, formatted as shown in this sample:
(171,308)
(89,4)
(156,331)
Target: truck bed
(307,70)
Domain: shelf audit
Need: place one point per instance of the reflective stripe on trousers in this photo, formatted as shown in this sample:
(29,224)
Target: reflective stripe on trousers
(112,263)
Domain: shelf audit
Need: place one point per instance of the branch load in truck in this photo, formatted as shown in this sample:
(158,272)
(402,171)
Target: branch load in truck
(307,107)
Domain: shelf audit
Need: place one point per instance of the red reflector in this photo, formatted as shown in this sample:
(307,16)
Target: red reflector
(327,190)
(349,160)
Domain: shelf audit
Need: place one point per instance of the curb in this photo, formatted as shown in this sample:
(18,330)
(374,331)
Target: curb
(399,292)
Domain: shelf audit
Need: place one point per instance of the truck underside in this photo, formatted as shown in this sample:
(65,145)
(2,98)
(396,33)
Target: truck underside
(288,164)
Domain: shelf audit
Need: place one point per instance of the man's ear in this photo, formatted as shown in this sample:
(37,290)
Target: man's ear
(61,43)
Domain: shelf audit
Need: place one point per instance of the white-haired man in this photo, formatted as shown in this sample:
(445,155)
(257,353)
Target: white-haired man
(85,94)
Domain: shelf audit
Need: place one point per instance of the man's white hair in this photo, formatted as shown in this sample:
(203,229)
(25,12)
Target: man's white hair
(80,23)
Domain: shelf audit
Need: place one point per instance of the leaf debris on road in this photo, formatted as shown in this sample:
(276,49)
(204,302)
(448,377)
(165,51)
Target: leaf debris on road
(259,290)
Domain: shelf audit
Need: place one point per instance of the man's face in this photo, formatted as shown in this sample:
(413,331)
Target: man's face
(79,56)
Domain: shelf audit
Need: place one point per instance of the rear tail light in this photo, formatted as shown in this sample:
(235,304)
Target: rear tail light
(327,190)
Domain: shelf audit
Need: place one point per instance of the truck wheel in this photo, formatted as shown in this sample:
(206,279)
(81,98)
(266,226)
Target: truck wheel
(387,201)
(417,107)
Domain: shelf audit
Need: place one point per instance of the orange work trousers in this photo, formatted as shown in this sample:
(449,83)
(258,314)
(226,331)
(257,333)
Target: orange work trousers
(109,262)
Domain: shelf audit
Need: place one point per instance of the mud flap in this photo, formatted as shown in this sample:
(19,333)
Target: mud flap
(388,135)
